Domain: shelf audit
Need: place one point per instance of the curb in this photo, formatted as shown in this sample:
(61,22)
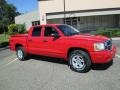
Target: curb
(118,38)
(1,49)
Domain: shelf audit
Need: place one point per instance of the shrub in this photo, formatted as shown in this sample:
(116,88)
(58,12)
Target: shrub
(16,29)
(117,33)
(109,32)
(12,29)
(21,28)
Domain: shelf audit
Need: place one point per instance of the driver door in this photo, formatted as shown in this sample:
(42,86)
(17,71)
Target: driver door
(51,44)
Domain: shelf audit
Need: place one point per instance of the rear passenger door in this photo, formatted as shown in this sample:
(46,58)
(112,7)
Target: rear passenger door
(35,45)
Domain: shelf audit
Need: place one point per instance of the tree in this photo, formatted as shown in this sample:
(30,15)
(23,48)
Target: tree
(2,3)
(7,14)
(3,24)
(11,12)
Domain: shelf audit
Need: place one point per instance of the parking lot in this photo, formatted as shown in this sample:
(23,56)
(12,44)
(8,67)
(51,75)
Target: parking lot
(40,73)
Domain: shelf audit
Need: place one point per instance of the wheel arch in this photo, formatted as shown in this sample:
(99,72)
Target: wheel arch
(18,45)
(77,48)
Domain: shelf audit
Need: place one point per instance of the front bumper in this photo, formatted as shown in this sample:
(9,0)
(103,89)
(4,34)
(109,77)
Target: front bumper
(103,56)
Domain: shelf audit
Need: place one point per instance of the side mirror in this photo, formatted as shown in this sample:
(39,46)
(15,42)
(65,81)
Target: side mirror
(55,35)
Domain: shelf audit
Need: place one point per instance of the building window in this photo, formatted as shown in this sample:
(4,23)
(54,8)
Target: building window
(35,23)
(72,21)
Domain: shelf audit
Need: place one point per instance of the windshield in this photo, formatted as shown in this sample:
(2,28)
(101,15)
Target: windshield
(68,30)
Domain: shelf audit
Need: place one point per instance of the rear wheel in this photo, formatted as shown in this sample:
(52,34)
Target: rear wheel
(21,54)
(79,61)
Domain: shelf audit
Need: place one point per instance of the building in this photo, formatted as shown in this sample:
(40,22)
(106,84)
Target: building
(29,19)
(82,14)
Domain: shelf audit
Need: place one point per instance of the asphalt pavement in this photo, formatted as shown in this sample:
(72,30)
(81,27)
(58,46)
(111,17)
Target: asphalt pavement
(41,73)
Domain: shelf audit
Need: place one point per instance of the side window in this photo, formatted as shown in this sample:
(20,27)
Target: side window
(49,31)
(36,31)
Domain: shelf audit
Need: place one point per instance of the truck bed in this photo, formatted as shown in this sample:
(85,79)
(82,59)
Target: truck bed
(20,35)
(16,39)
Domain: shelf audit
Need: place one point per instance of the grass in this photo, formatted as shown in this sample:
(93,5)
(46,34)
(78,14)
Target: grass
(4,39)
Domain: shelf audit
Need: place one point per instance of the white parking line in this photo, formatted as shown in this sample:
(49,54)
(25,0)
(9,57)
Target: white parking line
(9,63)
(117,55)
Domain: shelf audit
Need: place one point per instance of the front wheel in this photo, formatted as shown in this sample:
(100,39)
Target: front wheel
(21,54)
(79,61)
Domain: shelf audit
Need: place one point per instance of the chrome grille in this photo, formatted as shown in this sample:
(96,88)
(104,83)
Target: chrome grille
(108,45)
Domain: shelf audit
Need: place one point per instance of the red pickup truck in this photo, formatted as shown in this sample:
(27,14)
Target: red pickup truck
(64,41)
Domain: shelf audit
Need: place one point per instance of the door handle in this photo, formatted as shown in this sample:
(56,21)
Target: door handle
(45,41)
(30,40)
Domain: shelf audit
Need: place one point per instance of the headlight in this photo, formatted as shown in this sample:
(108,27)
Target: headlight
(99,46)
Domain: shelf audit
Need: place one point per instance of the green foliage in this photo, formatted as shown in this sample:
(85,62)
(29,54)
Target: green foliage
(4,22)
(4,38)
(7,14)
(16,28)
(12,29)
(109,32)
(118,34)
(10,12)
(21,28)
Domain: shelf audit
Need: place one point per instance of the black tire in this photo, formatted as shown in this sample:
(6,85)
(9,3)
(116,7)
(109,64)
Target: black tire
(78,58)
(24,54)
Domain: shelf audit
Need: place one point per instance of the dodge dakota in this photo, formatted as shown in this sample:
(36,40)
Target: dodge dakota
(66,42)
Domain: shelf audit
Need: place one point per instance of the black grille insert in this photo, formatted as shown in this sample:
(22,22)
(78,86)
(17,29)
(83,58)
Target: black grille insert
(108,45)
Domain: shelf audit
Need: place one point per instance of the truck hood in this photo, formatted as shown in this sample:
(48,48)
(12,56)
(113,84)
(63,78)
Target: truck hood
(96,38)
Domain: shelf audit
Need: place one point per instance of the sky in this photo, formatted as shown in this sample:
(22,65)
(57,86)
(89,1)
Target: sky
(24,6)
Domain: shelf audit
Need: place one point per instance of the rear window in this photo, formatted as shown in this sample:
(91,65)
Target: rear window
(36,31)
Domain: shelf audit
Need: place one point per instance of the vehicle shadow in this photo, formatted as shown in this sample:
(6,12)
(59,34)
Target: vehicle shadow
(49,59)
(104,66)
(61,61)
